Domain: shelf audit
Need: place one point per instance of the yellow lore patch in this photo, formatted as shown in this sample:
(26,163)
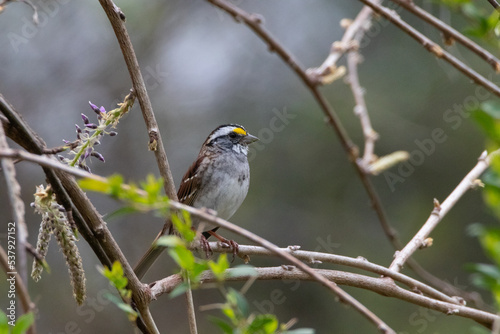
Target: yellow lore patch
(240,131)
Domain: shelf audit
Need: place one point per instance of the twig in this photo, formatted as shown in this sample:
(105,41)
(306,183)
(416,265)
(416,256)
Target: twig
(451,32)
(381,286)
(17,207)
(190,307)
(357,26)
(21,289)
(440,210)
(495,4)
(360,109)
(431,46)
(116,18)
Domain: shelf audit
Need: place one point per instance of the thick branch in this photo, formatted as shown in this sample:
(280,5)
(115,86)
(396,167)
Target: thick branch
(440,210)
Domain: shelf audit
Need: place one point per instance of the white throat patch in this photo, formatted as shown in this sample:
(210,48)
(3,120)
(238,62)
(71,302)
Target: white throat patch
(240,149)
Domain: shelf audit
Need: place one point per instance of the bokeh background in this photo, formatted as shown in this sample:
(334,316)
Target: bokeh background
(203,69)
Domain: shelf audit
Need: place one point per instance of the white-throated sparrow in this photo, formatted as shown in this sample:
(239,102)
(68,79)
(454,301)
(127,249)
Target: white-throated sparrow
(217,180)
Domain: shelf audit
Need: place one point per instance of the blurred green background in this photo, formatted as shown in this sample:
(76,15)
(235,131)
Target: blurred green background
(203,69)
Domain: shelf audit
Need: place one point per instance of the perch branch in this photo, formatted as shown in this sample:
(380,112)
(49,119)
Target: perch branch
(359,263)
(440,210)
(382,286)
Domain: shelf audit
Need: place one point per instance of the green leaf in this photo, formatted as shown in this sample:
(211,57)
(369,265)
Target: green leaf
(488,118)
(169,241)
(94,185)
(116,275)
(197,269)
(131,313)
(263,323)
(23,323)
(183,226)
(219,268)
(183,257)
(4,323)
(179,290)
(222,324)
(236,299)
(120,212)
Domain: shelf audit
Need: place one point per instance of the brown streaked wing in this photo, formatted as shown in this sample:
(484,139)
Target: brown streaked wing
(190,184)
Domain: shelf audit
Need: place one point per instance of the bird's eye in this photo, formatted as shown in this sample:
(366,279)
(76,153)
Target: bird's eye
(233,135)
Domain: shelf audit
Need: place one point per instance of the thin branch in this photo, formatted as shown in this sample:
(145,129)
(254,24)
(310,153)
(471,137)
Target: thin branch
(190,308)
(43,160)
(495,4)
(21,289)
(432,47)
(382,286)
(450,32)
(358,26)
(353,59)
(440,210)
(117,20)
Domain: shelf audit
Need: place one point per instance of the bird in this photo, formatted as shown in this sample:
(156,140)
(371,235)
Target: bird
(217,180)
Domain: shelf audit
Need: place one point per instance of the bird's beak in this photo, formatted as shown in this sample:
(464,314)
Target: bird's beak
(248,139)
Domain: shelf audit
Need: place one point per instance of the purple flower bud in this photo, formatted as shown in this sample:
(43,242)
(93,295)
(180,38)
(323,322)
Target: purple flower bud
(101,109)
(91,126)
(95,108)
(61,158)
(78,130)
(98,156)
(112,133)
(66,141)
(97,143)
(85,119)
(32,204)
(84,167)
(88,152)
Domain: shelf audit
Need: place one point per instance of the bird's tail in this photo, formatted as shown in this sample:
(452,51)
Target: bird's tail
(153,253)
